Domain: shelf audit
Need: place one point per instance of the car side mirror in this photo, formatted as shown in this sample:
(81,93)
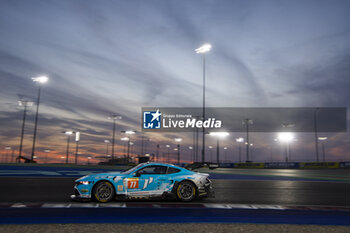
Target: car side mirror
(137,174)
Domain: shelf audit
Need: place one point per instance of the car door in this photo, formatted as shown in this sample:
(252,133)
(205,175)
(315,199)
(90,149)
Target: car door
(147,181)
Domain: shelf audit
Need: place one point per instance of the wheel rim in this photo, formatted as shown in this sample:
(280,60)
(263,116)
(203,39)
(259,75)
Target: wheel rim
(186,191)
(103,192)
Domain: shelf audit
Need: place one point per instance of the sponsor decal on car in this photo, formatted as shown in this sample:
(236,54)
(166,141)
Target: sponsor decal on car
(133,183)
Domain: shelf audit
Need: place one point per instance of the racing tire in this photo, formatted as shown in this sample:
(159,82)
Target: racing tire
(186,191)
(103,192)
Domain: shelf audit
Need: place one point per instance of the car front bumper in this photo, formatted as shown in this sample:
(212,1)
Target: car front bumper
(206,190)
(80,197)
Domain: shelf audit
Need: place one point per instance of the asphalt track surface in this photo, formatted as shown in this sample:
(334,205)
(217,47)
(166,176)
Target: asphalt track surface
(288,188)
(298,189)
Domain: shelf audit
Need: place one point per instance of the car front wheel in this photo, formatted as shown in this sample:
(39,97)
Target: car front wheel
(103,191)
(186,191)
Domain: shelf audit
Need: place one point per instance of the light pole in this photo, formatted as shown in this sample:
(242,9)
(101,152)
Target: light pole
(191,153)
(131,147)
(176,149)
(40,80)
(203,49)
(107,143)
(239,140)
(247,122)
(252,152)
(25,104)
(114,117)
(286,137)
(89,158)
(144,145)
(211,153)
(218,135)
(47,152)
(157,153)
(225,148)
(168,146)
(7,148)
(316,137)
(77,139)
(126,140)
(68,133)
(178,140)
(128,132)
(323,139)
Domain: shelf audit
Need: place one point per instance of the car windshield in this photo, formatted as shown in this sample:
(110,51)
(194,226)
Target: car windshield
(132,169)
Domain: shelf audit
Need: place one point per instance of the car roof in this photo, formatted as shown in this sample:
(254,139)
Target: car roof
(161,164)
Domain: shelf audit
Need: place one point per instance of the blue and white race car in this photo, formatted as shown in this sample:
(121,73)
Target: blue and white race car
(145,180)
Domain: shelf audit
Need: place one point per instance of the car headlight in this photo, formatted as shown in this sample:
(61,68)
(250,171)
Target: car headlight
(84,182)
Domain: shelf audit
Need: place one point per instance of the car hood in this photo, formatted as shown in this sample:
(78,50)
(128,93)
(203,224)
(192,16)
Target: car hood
(107,175)
(202,174)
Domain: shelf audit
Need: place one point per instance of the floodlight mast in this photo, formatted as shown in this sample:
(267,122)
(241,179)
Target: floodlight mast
(40,80)
(114,117)
(25,104)
(202,50)
(68,133)
(218,135)
(247,122)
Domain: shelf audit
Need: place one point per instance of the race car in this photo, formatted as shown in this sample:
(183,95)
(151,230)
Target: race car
(146,180)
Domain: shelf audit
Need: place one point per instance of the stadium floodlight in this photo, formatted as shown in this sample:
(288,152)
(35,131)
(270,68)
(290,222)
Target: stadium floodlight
(125,139)
(322,138)
(129,132)
(167,146)
(178,139)
(203,49)
(68,132)
(285,137)
(219,134)
(239,139)
(225,148)
(40,79)
(77,136)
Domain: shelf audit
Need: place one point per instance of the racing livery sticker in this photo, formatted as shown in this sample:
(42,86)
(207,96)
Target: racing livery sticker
(133,183)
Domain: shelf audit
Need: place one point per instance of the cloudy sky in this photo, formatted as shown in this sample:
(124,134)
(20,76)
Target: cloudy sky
(106,57)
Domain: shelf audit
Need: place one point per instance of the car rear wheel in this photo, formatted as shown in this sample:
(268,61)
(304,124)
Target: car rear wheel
(186,191)
(103,191)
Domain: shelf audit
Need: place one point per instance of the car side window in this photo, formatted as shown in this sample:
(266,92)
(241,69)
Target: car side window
(153,170)
(172,170)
